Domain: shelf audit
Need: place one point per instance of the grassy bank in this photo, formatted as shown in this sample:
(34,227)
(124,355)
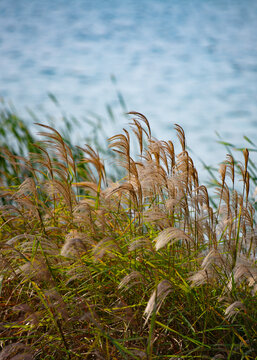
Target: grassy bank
(142,268)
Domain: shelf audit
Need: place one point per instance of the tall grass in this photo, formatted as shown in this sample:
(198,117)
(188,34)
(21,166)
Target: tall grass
(231,150)
(142,268)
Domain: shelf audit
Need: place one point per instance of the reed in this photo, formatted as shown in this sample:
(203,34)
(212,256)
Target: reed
(141,268)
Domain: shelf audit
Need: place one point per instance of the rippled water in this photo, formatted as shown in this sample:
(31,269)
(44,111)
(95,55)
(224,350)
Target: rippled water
(187,62)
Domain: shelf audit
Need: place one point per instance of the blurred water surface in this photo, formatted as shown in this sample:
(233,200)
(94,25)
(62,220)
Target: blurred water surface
(188,62)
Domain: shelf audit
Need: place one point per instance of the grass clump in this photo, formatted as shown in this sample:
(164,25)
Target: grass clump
(143,268)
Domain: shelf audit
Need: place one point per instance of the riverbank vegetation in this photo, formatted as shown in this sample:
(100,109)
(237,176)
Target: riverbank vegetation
(147,267)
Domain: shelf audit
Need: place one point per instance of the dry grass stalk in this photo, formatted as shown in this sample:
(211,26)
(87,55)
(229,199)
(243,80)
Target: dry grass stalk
(158,296)
(170,235)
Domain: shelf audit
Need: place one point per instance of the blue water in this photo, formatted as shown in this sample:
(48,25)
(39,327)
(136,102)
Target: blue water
(188,62)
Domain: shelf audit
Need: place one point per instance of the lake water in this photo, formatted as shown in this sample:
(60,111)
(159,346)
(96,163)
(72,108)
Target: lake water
(188,62)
